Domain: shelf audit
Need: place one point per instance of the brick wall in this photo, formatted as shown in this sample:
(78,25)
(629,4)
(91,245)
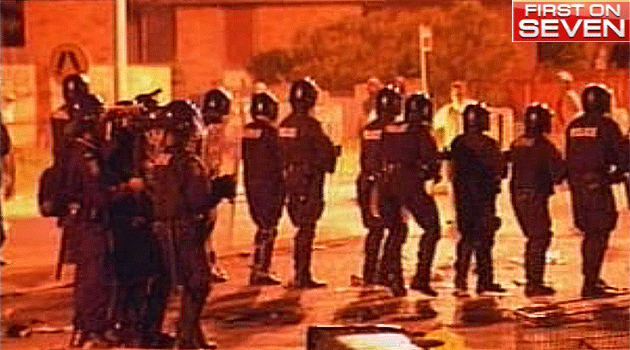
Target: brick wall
(200,50)
(51,23)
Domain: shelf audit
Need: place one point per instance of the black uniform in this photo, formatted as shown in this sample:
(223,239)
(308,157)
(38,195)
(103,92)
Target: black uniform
(135,258)
(536,166)
(411,159)
(59,122)
(88,189)
(62,123)
(181,197)
(594,145)
(5,148)
(478,167)
(368,193)
(308,154)
(214,111)
(265,190)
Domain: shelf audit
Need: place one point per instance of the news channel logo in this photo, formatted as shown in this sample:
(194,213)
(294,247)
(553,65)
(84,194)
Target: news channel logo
(566,21)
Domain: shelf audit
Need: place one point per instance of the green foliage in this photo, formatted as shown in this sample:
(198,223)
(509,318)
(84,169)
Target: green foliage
(469,42)
(272,67)
(562,55)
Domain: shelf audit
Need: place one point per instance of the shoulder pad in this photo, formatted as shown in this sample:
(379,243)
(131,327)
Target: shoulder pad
(585,131)
(372,134)
(252,133)
(523,142)
(396,128)
(288,132)
(60,114)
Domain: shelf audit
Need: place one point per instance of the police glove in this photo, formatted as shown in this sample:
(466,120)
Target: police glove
(224,187)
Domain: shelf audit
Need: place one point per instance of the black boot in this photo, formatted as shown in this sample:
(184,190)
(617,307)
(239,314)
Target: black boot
(396,284)
(537,290)
(260,275)
(596,292)
(259,278)
(491,288)
(421,284)
(371,251)
(302,255)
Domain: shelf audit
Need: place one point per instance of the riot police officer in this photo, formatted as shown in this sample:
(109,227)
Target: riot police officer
(263,183)
(537,165)
(135,260)
(387,106)
(411,159)
(182,196)
(87,188)
(419,113)
(478,167)
(216,107)
(73,86)
(308,154)
(594,161)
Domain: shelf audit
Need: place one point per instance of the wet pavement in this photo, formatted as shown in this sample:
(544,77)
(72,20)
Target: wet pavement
(238,316)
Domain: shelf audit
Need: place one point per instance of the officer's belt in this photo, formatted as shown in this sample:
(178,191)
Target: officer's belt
(186,218)
(390,168)
(297,167)
(92,215)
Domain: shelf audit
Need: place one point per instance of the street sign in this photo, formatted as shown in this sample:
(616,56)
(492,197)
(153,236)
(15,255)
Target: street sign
(426,38)
(425,46)
(68,59)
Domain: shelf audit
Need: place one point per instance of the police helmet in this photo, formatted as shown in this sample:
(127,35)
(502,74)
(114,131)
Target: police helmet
(303,95)
(476,117)
(180,117)
(74,85)
(388,104)
(537,119)
(265,105)
(419,109)
(85,113)
(596,99)
(216,105)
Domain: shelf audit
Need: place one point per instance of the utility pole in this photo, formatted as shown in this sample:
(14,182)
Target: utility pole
(425,46)
(120,50)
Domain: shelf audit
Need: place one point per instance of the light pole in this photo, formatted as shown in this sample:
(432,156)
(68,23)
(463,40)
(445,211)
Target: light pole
(120,49)
(425,44)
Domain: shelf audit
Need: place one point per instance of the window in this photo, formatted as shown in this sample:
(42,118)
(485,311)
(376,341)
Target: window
(619,55)
(12,23)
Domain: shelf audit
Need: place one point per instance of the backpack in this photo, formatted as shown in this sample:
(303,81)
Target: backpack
(49,197)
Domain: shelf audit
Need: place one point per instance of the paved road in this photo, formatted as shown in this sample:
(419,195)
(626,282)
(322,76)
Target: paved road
(32,250)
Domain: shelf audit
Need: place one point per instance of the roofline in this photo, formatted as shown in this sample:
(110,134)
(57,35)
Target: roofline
(258,3)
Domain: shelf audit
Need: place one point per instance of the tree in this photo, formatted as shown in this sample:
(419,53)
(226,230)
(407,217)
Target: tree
(272,67)
(470,42)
